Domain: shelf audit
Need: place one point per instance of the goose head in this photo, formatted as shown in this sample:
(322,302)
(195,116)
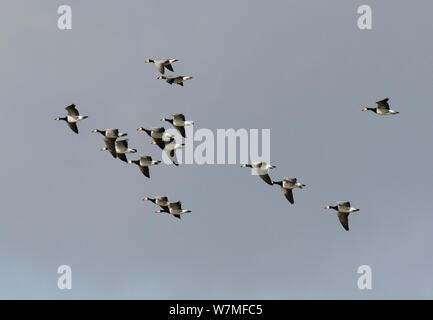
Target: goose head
(60,118)
(149,61)
(161,77)
(245,165)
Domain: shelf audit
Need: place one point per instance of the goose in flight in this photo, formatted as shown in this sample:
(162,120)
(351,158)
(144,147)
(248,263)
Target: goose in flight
(72,118)
(110,136)
(144,163)
(382,108)
(174,208)
(160,201)
(158,134)
(262,170)
(287,185)
(170,147)
(122,149)
(175,79)
(343,210)
(179,123)
(161,64)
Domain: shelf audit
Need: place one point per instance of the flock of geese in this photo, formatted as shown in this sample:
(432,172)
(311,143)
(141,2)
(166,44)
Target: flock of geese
(166,142)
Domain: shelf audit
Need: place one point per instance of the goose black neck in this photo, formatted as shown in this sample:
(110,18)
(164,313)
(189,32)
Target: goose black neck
(278,182)
(334,207)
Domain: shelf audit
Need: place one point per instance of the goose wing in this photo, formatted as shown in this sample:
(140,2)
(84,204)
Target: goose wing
(172,155)
(175,205)
(110,144)
(145,171)
(344,204)
(266,178)
(181,130)
(169,67)
(73,126)
(176,215)
(383,104)
(112,133)
(159,142)
(72,111)
(288,193)
(344,219)
(122,157)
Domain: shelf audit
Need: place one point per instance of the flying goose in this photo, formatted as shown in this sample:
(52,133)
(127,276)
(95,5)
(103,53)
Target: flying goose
(110,136)
(158,134)
(122,149)
(343,210)
(382,108)
(174,208)
(179,123)
(72,118)
(287,185)
(160,201)
(262,169)
(175,79)
(144,163)
(170,147)
(160,64)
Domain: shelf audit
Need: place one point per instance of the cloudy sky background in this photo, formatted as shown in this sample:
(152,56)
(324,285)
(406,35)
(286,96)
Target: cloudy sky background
(300,68)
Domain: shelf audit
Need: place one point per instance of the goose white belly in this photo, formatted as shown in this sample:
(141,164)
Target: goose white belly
(72,119)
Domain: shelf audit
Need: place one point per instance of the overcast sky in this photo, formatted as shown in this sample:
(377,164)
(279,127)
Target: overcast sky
(300,68)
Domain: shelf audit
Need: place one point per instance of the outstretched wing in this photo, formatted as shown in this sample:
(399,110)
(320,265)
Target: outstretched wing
(145,171)
(289,195)
(383,104)
(122,157)
(175,205)
(73,126)
(344,219)
(169,67)
(110,144)
(266,178)
(176,215)
(181,130)
(344,204)
(72,111)
(179,117)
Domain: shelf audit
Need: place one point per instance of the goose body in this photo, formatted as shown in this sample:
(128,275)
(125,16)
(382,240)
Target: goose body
(158,134)
(343,209)
(175,79)
(72,118)
(262,169)
(144,163)
(287,185)
(110,136)
(122,149)
(170,147)
(175,209)
(179,123)
(160,201)
(382,108)
(162,64)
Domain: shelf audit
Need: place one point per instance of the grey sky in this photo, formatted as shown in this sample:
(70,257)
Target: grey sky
(301,68)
